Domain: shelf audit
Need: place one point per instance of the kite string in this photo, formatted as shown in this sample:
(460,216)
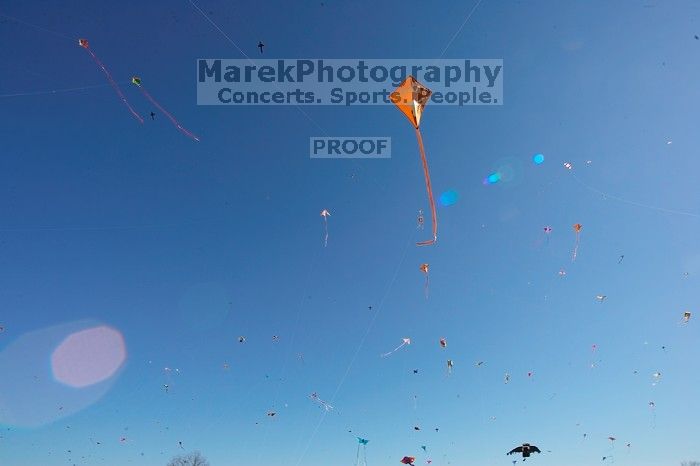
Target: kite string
(114,85)
(300,307)
(298,107)
(359,346)
(429,188)
(55,91)
(182,129)
(58,34)
(454,36)
(634,203)
(220,31)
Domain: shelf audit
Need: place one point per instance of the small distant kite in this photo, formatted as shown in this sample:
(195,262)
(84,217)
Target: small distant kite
(361,445)
(271,413)
(241,339)
(86,45)
(568,165)
(411,97)
(600,298)
(137,82)
(424,268)
(450,365)
(526,449)
(408,460)
(406,341)
(506,378)
(260,46)
(547,231)
(325,214)
(421,220)
(577,228)
(314,396)
(686,318)
(443,343)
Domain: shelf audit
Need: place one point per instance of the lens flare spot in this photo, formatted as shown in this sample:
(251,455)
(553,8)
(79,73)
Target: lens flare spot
(88,357)
(449,198)
(538,158)
(493,178)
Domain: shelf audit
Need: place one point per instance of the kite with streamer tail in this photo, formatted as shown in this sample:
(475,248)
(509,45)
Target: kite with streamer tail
(450,365)
(408,460)
(406,341)
(577,228)
(361,459)
(314,396)
(137,81)
(86,45)
(325,214)
(424,268)
(411,98)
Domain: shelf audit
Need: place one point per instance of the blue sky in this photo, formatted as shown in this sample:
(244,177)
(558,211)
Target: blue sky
(184,246)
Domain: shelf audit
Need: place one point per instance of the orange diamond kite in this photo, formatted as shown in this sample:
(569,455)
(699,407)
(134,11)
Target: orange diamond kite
(411,97)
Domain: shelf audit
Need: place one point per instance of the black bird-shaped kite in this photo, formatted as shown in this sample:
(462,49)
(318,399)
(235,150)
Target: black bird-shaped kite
(525,449)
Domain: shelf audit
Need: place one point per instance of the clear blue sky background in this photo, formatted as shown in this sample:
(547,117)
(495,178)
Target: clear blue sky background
(184,246)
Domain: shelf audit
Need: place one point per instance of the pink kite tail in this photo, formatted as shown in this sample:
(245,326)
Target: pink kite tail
(429,188)
(325,241)
(170,117)
(573,256)
(114,85)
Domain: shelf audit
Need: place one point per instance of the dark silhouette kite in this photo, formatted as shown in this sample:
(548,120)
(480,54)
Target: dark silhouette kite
(525,449)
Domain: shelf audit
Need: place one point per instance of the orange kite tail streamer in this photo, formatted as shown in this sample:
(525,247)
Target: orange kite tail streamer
(429,188)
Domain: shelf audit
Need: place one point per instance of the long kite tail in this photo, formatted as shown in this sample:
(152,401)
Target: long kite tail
(181,128)
(393,351)
(114,85)
(575,253)
(325,240)
(429,188)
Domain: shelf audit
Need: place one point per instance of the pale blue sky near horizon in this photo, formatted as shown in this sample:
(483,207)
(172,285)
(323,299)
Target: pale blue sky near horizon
(183,246)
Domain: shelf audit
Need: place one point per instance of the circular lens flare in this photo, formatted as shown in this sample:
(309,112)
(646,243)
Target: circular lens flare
(89,356)
(493,178)
(538,158)
(449,198)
